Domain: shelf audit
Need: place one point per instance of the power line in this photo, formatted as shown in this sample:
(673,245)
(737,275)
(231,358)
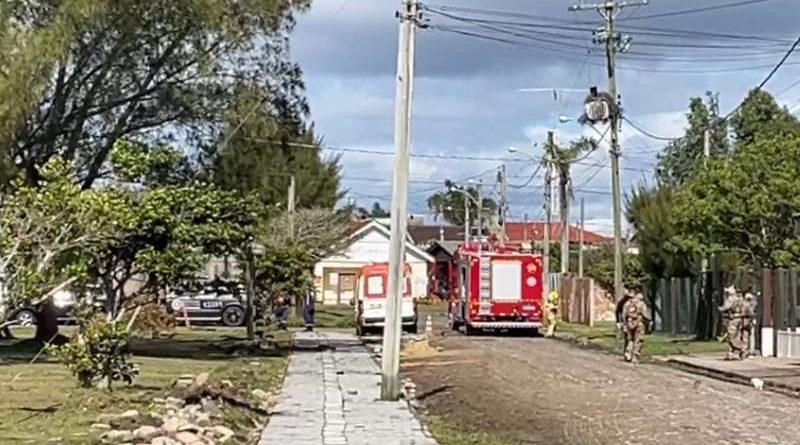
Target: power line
(769,76)
(647,133)
(697,10)
(448,157)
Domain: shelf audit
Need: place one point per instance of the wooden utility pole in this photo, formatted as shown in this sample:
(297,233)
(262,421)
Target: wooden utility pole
(409,16)
(548,189)
(613,43)
(563,201)
(580,242)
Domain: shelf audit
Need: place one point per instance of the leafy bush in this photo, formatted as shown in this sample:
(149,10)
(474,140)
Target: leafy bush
(98,354)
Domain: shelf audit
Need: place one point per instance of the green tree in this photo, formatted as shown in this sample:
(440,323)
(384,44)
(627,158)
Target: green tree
(171,229)
(683,157)
(51,236)
(450,205)
(260,151)
(378,211)
(761,117)
(154,70)
(650,212)
(745,204)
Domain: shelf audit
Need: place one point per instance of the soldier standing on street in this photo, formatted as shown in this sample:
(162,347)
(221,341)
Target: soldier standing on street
(636,322)
(748,315)
(620,319)
(551,313)
(733,310)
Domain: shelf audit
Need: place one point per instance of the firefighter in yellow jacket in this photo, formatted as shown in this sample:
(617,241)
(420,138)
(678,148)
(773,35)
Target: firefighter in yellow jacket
(551,313)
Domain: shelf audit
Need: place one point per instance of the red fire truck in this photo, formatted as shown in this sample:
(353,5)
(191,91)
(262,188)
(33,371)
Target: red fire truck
(497,289)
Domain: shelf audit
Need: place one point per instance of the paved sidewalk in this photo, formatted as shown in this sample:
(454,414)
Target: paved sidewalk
(330,397)
(776,374)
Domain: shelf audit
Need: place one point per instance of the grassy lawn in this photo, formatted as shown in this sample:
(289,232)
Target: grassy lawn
(42,403)
(448,434)
(605,335)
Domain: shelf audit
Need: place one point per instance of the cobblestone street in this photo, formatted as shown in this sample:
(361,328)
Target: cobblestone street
(330,397)
(539,391)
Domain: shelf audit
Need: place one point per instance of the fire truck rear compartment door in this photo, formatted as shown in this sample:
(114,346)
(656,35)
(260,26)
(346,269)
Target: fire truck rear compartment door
(506,280)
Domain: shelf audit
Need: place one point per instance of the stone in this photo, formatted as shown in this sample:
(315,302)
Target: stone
(255,363)
(117,436)
(175,402)
(131,413)
(171,425)
(146,432)
(202,419)
(223,433)
(100,426)
(164,440)
(227,383)
(260,394)
(159,400)
(187,438)
(190,427)
(201,379)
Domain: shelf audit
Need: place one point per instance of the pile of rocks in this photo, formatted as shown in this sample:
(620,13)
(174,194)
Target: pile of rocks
(173,421)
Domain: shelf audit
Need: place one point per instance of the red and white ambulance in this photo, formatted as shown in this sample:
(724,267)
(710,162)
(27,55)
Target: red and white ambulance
(498,290)
(372,298)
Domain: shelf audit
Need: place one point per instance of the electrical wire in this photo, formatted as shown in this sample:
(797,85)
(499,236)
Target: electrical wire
(649,134)
(698,10)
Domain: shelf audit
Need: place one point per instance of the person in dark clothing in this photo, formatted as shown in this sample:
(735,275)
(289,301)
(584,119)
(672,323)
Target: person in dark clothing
(309,310)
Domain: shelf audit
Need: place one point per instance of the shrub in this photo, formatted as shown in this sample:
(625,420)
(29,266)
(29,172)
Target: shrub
(98,354)
(152,320)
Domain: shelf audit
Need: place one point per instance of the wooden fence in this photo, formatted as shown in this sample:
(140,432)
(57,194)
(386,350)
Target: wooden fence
(690,305)
(576,300)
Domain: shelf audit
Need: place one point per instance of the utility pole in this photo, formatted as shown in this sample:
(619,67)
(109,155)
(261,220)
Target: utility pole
(613,42)
(409,15)
(467,228)
(580,245)
(290,205)
(563,201)
(548,190)
(479,206)
(503,213)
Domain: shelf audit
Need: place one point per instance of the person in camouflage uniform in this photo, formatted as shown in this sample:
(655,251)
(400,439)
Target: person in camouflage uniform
(551,313)
(748,316)
(636,320)
(733,309)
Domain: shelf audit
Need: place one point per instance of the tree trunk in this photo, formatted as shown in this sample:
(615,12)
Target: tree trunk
(47,324)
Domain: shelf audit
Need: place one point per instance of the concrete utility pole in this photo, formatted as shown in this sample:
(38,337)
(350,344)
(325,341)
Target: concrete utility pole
(580,246)
(613,42)
(467,227)
(479,206)
(503,213)
(409,15)
(548,190)
(291,204)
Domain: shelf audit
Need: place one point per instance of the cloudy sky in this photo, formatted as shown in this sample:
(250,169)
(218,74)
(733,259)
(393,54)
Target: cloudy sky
(467,102)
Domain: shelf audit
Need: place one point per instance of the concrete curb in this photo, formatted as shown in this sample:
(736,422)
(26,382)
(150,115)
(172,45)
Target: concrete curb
(731,377)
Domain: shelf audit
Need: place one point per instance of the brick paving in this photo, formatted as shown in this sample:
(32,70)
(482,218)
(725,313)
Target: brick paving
(331,397)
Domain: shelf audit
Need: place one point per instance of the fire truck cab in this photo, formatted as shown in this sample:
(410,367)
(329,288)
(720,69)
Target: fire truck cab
(496,290)
(372,298)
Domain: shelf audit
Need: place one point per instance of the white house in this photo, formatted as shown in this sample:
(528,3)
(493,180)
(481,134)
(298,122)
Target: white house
(337,275)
